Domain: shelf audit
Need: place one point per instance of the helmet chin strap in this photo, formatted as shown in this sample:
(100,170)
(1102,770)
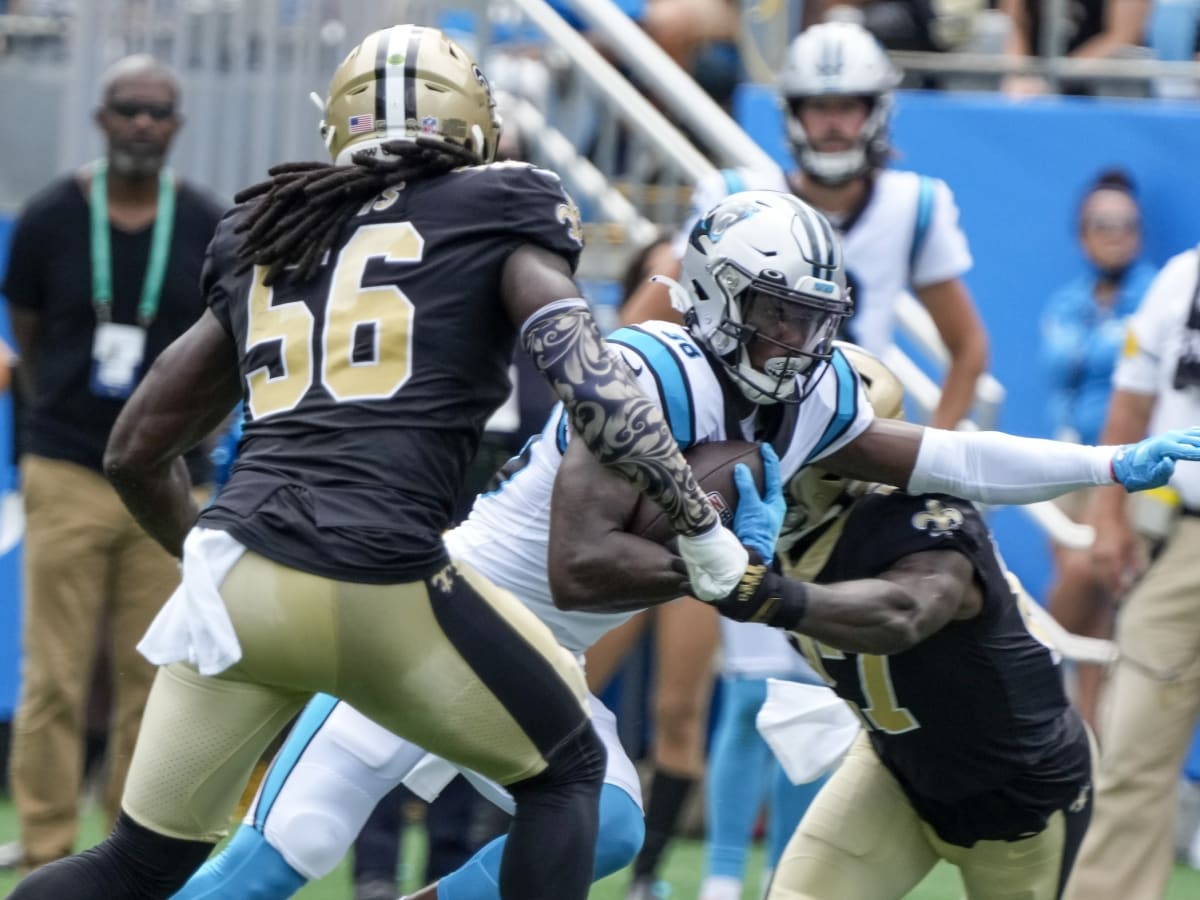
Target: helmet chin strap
(834,169)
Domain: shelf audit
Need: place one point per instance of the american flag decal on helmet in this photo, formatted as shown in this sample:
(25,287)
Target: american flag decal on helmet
(361,124)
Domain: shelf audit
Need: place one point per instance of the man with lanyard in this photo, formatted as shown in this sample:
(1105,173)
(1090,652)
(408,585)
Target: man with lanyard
(104,273)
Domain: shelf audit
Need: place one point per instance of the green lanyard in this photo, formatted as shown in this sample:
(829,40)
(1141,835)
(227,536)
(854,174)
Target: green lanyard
(160,247)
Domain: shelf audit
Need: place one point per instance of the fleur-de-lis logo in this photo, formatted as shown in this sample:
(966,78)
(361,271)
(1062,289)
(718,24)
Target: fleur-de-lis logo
(568,214)
(1080,803)
(937,519)
(444,580)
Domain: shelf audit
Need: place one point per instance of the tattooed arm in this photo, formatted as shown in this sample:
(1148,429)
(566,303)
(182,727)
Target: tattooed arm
(625,429)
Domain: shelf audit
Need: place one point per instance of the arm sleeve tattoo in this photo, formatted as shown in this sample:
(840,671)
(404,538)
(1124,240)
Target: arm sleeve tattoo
(624,428)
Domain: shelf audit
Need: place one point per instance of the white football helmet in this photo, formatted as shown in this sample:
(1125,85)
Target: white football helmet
(838,59)
(764,266)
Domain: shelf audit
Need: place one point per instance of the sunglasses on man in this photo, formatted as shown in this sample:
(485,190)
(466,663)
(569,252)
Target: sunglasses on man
(1127,224)
(131,109)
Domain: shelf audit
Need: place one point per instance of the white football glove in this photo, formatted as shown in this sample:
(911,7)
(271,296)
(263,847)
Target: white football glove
(715,560)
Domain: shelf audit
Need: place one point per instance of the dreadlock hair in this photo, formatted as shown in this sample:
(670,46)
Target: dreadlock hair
(301,208)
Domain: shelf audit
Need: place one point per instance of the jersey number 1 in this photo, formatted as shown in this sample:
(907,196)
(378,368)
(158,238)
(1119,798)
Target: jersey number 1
(375,319)
(883,712)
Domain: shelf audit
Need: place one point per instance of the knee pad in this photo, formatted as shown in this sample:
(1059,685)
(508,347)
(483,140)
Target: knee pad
(323,786)
(622,830)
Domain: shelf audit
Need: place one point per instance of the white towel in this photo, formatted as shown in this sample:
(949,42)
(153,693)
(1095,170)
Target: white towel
(194,626)
(429,777)
(808,727)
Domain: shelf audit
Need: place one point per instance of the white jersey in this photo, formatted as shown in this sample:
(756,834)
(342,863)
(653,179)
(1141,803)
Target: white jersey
(1156,337)
(507,533)
(905,237)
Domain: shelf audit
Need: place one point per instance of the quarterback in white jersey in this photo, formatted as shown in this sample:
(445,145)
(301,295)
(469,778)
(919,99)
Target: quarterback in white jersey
(905,236)
(899,230)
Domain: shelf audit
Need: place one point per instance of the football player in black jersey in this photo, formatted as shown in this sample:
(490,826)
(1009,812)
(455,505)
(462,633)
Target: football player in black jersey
(971,752)
(366,312)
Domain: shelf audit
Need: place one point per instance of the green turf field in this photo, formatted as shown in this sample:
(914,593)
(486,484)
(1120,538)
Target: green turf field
(683,872)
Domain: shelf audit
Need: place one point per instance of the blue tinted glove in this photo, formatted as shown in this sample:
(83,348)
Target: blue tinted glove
(1151,462)
(757,520)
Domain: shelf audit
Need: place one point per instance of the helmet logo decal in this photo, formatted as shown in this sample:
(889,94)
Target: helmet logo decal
(830,63)
(429,125)
(720,220)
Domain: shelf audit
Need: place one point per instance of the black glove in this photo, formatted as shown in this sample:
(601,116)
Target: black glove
(766,597)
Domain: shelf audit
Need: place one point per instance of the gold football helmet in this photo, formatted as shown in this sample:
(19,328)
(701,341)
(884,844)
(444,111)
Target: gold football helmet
(405,82)
(815,495)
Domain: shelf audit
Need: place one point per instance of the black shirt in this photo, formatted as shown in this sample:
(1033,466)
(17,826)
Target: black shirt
(50,272)
(367,388)
(973,721)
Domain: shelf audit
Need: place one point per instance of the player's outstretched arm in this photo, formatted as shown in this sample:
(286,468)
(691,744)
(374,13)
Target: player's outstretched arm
(187,393)
(623,428)
(593,563)
(898,609)
(994,467)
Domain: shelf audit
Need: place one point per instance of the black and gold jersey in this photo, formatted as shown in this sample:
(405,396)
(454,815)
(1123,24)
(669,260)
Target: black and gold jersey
(973,721)
(367,388)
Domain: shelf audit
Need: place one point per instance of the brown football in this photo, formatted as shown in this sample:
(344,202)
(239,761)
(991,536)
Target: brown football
(713,465)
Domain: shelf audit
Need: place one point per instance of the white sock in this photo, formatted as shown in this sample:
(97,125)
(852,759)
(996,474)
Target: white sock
(721,887)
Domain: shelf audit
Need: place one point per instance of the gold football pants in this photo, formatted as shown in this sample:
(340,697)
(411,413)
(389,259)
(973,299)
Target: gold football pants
(452,663)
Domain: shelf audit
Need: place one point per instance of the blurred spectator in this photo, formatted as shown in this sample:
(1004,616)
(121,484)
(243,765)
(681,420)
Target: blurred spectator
(104,273)
(1093,29)
(1174,35)
(1152,700)
(927,25)
(6,364)
(1083,326)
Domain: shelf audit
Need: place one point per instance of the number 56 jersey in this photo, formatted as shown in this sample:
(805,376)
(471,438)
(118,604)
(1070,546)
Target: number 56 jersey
(507,533)
(367,388)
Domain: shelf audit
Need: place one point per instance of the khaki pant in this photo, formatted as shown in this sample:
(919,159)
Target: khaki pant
(84,556)
(451,663)
(861,839)
(1153,699)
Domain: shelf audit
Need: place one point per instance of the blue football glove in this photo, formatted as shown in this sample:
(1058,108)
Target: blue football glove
(1151,462)
(757,520)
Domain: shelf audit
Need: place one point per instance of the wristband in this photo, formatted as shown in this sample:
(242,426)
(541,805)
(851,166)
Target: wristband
(766,597)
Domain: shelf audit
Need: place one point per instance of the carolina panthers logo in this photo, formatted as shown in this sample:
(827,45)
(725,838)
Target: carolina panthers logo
(722,219)
(937,520)
(568,214)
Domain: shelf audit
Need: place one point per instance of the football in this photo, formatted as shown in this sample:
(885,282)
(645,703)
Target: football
(713,465)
